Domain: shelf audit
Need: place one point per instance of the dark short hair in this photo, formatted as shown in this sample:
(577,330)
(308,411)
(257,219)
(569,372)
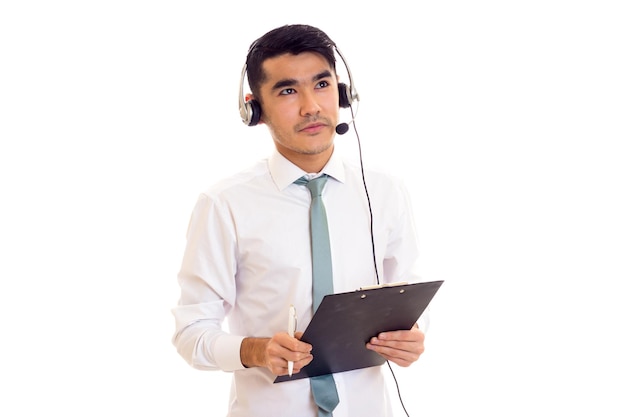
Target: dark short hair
(288,39)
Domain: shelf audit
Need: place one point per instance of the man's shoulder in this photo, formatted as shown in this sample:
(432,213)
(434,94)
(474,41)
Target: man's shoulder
(376,174)
(238,180)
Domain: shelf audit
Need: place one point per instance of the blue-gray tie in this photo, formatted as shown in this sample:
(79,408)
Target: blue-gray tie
(323,387)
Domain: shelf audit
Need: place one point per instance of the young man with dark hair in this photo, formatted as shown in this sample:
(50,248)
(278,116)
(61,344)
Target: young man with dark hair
(248,254)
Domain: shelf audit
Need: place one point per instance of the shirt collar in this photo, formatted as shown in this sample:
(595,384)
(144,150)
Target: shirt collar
(284,172)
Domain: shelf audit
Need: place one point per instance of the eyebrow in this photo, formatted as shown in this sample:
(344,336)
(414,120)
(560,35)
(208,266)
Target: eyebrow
(288,82)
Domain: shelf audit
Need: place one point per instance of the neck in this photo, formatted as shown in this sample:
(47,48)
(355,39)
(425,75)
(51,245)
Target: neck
(310,163)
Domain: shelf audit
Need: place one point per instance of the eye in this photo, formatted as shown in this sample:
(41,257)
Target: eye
(287,91)
(322,84)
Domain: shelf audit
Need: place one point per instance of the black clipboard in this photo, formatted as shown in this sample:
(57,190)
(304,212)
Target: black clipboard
(344,322)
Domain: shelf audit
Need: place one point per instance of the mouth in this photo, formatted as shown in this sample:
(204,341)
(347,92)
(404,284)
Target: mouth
(313,128)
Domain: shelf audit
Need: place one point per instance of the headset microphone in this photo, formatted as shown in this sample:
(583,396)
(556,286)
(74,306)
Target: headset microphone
(342,128)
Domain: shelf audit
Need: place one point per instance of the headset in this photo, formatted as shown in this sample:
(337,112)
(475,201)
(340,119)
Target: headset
(250,111)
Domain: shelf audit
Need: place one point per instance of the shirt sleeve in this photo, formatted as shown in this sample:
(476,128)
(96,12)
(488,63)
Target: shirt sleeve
(402,251)
(208,290)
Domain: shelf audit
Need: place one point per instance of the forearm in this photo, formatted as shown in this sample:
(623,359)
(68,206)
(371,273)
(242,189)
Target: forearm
(202,342)
(253,351)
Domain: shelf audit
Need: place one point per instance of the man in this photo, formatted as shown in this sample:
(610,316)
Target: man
(248,254)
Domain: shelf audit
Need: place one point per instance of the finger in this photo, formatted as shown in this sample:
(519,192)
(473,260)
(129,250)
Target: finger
(299,364)
(400,357)
(413,335)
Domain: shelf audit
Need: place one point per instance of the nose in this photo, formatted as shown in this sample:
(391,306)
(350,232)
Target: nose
(308,104)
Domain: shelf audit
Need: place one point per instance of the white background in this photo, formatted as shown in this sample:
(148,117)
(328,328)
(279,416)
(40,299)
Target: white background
(507,119)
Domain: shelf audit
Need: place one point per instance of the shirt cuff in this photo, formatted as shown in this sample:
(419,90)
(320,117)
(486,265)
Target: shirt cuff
(227,352)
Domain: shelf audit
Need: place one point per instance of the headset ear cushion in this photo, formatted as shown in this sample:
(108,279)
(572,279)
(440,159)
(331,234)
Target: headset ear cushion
(344,99)
(254,109)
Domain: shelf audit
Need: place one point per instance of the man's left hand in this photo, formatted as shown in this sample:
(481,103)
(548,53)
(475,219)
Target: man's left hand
(402,347)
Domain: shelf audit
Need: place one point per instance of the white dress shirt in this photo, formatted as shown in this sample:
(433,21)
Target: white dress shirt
(248,257)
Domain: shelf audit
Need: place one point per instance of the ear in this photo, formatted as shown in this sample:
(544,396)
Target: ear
(258,119)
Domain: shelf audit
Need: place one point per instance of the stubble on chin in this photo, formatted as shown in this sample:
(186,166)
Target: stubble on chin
(316,151)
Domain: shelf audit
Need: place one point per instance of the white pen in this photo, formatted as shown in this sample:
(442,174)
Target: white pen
(291,329)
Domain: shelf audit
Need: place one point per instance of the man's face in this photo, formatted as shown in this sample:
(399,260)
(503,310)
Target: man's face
(300,103)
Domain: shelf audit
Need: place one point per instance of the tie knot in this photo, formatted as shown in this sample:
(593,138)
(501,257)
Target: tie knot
(315,186)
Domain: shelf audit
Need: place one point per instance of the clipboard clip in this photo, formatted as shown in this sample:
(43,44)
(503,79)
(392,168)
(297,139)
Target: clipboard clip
(391,284)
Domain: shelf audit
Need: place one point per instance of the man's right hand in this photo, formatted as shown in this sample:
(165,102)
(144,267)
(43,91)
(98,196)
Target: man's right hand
(274,353)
